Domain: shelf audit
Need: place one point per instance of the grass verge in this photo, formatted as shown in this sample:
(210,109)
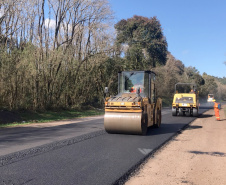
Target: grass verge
(29,117)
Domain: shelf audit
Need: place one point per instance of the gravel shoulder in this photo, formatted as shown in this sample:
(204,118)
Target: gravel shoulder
(197,156)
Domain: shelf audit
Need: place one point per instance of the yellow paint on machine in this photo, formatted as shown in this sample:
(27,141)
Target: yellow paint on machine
(122,110)
(126,104)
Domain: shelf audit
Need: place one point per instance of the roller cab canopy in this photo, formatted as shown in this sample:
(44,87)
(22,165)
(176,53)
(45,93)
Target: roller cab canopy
(136,82)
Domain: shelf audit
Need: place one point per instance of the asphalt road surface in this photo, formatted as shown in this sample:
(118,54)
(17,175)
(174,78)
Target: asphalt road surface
(80,153)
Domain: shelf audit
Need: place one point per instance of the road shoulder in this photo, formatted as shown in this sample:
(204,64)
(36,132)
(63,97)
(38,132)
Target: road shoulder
(196,156)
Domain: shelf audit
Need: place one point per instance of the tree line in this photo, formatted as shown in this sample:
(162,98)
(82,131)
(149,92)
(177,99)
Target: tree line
(61,54)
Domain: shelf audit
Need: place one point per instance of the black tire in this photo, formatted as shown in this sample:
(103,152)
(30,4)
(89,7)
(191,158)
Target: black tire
(174,112)
(159,119)
(144,124)
(195,112)
(180,112)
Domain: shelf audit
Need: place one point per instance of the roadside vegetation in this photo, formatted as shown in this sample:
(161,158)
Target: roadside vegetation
(61,55)
(28,117)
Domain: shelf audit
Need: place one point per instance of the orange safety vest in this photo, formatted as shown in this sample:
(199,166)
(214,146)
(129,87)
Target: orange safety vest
(133,90)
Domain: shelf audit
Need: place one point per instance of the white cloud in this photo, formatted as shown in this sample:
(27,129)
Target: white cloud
(50,23)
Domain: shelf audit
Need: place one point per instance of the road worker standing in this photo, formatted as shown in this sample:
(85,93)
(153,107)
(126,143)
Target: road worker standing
(216,110)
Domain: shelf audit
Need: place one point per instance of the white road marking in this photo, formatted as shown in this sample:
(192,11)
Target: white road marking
(145,151)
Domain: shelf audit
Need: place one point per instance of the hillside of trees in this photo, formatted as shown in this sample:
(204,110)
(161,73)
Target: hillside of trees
(61,54)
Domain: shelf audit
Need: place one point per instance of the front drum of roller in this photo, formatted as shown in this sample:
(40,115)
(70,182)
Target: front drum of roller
(124,123)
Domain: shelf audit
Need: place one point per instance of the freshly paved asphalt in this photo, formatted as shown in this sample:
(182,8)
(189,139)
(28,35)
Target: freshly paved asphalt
(25,137)
(79,153)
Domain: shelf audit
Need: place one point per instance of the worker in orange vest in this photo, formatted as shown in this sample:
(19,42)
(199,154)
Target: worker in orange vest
(216,110)
(132,90)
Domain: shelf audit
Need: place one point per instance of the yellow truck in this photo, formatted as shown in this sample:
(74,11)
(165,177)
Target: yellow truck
(136,106)
(185,100)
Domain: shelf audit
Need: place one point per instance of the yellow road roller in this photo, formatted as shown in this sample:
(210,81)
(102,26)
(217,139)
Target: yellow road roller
(210,98)
(135,107)
(185,100)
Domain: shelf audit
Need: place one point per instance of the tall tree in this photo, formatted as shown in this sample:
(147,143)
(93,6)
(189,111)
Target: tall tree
(193,76)
(145,42)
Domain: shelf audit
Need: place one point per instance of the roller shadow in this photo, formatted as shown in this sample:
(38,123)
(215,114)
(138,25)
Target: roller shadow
(206,107)
(205,115)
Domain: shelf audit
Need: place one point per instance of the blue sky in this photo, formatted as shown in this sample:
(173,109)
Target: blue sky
(195,29)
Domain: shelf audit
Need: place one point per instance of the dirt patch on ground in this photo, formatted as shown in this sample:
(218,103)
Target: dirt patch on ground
(197,156)
(9,117)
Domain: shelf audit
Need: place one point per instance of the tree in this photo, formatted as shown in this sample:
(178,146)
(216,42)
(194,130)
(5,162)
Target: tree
(210,86)
(146,45)
(193,76)
(168,76)
(52,57)
(174,65)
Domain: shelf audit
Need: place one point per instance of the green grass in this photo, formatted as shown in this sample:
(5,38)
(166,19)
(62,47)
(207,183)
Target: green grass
(12,124)
(29,117)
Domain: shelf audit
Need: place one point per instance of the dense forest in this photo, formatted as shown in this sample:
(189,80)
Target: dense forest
(61,54)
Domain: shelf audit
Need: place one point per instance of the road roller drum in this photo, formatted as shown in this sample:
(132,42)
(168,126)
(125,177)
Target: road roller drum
(128,123)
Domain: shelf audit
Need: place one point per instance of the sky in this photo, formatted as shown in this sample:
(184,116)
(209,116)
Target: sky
(195,30)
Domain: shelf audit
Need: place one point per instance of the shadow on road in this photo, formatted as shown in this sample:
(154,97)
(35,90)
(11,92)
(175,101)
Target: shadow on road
(194,127)
(219,154)
(169,128)
(206,107)
(205,116)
